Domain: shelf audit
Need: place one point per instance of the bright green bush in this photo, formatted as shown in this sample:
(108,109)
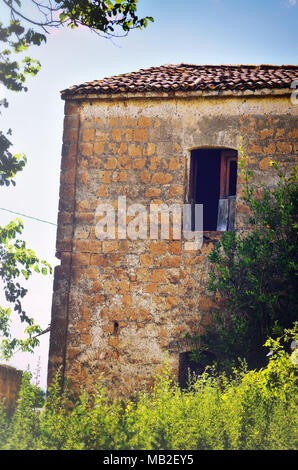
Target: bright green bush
(249,410)
(255,274)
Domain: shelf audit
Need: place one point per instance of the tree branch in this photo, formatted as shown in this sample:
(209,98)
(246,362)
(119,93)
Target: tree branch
(48,23)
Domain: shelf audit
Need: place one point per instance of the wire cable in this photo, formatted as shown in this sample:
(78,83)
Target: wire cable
(28,216)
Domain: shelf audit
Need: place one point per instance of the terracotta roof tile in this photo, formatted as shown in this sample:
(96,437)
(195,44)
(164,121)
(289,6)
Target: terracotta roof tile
(187,77)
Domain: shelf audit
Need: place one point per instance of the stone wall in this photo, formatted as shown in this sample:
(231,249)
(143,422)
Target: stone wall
(10,381)
(121,307)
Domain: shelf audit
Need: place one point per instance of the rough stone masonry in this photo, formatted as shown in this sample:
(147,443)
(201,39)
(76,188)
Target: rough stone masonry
(122,307)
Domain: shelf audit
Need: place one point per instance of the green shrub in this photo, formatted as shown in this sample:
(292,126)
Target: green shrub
(255,275)
(23,429)
(245,411)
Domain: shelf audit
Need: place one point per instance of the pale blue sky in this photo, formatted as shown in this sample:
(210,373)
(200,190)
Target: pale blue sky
(192,31)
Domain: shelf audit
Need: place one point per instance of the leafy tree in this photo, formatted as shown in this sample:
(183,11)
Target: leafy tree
(15,39)
(16,260)
(106,18)
(255,274)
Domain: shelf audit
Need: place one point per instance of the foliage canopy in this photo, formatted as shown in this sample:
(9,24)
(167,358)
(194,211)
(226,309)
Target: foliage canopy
(108,18)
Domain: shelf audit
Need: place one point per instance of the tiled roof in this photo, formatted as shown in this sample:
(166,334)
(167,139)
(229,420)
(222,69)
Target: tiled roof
(187,77)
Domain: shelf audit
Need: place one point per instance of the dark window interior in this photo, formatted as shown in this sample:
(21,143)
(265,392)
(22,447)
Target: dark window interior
(189,370)
(233,178)
(213,175)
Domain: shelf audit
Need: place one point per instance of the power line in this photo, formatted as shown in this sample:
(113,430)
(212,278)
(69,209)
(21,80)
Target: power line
(28,216)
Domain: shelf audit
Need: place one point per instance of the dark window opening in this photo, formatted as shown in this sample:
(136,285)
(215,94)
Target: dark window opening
(116,327)
(213,183)
(189,369)
(233,178)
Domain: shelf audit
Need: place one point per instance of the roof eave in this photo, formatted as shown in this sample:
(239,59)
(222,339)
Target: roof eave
(65,95)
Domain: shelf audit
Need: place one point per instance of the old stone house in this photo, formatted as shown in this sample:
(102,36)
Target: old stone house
(164,135)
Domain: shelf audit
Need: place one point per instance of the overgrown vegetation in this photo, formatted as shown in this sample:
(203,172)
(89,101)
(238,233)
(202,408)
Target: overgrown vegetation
(249,410)
(255,274)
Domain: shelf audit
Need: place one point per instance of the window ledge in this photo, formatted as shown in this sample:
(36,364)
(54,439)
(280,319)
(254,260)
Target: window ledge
(212,234)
